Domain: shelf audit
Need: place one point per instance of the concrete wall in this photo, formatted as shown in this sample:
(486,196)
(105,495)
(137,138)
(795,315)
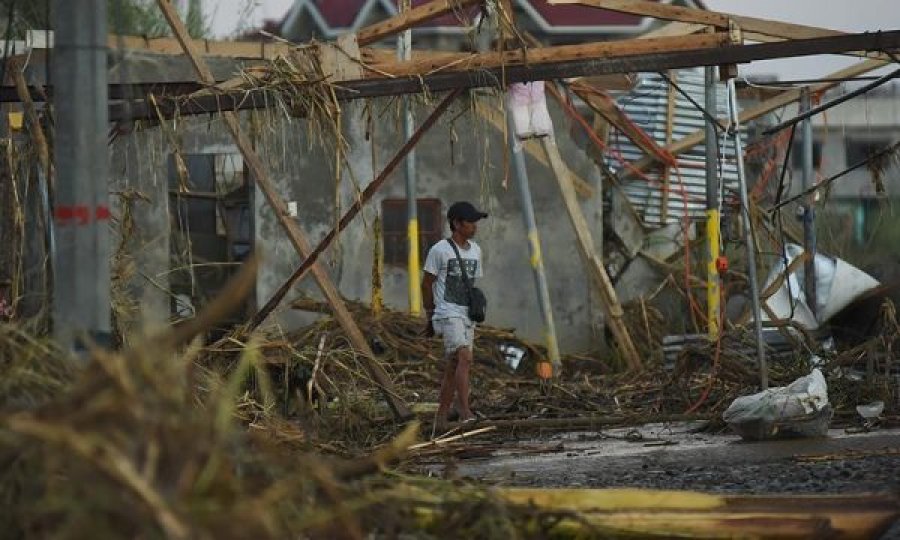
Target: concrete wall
(138,167)
(459,159)
(873,119)
(462,159)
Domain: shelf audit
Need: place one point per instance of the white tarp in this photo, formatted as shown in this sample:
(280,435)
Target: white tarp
(789,301)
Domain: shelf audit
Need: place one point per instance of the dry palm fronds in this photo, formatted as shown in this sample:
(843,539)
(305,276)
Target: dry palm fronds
(878,164)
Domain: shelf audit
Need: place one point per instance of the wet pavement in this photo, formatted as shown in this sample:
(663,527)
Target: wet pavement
(673,457)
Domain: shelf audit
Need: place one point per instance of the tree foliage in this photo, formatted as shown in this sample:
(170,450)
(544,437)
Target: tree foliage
(128,17)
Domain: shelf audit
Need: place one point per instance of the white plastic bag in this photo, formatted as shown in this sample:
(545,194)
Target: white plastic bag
(801,408)
(528,106)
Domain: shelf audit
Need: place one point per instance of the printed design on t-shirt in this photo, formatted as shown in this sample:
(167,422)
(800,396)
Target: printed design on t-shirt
(456,291)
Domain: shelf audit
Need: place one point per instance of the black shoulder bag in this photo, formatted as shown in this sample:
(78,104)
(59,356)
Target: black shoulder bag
(477,300)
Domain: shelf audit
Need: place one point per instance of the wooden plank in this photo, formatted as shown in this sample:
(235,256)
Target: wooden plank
(296,236)
(340,61)
(532,147)
(561,53)
(691,20)
(171,46)
(490,77)
(611,305)
(428,63)
(604,105)
(411,18)
(675,29)
(710,18)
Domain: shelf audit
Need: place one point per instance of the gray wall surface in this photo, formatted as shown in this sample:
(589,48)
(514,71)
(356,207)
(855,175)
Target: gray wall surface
(462,157)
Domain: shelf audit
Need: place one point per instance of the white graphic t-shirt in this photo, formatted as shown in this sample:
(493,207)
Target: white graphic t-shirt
(451,296)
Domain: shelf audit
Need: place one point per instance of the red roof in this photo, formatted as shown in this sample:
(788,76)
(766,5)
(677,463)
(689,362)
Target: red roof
(339,13)
(569,15)
(342,14)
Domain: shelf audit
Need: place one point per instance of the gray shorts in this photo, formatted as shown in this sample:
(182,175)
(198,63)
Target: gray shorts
(457,333)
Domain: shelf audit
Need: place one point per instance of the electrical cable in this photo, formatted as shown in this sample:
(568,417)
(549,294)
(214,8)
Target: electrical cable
(709,117)
(826,182)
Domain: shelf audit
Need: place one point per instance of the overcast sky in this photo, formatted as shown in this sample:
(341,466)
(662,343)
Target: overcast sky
(228,16)
(854,16)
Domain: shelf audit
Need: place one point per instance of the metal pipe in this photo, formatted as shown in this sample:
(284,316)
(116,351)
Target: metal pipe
(713,293)
(534,243)
(81,301)
(404,52)
(749,236)
(808,206)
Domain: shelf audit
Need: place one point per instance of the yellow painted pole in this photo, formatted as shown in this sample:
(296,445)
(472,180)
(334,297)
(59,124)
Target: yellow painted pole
(713,285)
(377,270)
(415,293)
(404,52)
(713,293)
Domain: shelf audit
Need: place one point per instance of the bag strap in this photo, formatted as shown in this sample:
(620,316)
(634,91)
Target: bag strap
(462,267)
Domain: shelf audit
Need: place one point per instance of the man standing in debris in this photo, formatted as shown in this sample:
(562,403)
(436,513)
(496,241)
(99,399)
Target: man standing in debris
(445,296)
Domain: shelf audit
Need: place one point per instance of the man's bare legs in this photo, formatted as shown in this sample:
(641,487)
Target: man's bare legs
(455,383)
(463,366)
(445,396)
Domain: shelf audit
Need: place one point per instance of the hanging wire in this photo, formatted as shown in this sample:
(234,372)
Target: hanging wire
(709,117)
(779,223)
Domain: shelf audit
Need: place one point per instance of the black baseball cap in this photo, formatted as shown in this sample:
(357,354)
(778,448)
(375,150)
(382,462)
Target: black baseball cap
(465,211)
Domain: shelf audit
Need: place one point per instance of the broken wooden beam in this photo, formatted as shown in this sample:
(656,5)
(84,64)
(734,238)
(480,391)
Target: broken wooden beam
(521,72)
(716,19)
(536,56)
(604,105)
(411,18)
(261,49)
(645,513)
(695,20)
(116,91)
(585,242)
(298,239)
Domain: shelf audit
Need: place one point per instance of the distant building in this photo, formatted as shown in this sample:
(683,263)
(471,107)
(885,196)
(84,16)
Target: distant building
(327,19)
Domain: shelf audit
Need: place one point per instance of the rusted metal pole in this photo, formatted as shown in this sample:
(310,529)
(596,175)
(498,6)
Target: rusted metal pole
(808,206)
(749,237)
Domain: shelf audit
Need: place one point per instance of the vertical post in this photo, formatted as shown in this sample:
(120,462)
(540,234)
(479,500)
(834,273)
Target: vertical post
(749,236)
(534,245)
(377,268)
(671,105)
(81,303)
(808,206)
(713,285)
(404,52)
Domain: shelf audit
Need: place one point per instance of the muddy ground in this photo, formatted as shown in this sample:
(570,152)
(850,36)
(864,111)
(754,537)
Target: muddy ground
(677,457)
(672,457)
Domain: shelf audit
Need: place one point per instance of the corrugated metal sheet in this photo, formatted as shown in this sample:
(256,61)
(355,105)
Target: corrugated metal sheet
(647,106)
